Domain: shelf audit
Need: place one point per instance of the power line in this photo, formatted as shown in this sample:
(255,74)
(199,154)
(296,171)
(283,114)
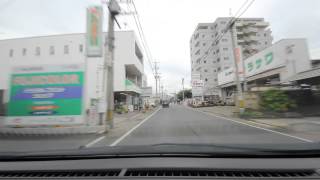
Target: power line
(142,37)
(231,21)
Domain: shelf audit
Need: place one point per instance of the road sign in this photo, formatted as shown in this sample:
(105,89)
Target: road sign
(46,95)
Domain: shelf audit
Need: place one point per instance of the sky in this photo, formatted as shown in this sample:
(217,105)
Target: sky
(167,25)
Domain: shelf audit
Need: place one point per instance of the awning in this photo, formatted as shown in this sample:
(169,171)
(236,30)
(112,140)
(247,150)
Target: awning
(312,73)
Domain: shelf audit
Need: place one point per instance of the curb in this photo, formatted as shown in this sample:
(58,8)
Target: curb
(53,131)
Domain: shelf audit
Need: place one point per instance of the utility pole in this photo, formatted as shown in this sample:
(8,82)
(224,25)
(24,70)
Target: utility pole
(236,62)
(162,92)
(114,9)
(182,89)
(156,76)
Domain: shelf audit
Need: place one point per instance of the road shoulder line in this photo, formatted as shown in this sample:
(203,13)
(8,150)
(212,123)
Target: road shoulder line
(95,141)
(243,123)
(132,129)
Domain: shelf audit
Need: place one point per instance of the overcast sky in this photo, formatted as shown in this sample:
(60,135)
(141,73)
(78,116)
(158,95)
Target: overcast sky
(167,24)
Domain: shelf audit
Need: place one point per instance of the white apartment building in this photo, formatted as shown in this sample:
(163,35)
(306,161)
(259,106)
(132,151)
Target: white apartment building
(129,75)
(252,35)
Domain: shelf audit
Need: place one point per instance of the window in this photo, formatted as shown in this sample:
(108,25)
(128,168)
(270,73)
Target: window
(196,36)
(218,60)
(51,50)
(219,69)
(206,52)
(215,80)
(205,70)
(265,34)
(224,40)
(226,58)
(206,79)
(223,22)
(203,44)
(204,62)
(24,51)
(214,70)
(225,49)
(212,36)
(37,51)
(11,53)
(217,51)
(66,49)
(226,67)
(203,35)
(216,34)
(266,43)
(81,48)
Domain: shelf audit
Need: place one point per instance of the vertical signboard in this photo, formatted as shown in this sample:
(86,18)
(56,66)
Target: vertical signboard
(46,95)
(94,31)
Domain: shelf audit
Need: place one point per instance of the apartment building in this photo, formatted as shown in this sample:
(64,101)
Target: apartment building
(209,56)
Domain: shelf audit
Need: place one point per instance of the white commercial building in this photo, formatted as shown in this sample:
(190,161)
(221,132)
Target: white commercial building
(209,57)
(272,66)
(64,49)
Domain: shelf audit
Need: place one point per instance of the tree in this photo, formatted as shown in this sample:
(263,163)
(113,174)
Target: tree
(187,94)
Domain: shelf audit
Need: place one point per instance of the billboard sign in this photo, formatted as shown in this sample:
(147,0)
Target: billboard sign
(94,41)
(46,95)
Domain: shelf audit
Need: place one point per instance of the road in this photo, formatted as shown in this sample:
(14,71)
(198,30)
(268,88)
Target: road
(177,124)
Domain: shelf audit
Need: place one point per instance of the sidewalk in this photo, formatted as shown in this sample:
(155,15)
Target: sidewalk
(226,111)
(311,124)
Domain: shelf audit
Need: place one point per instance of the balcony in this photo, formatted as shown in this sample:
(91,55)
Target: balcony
(250,30)
(262,24)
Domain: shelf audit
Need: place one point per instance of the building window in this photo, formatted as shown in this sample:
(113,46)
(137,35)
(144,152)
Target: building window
(66,49)
(214,70)
(225,49)
(81,48)
(24,51)
(203,35)
(218,60)
(215,80)
(212,36)
(205,70)
(266,43)
(226,67)
(224,40)
(217,51)
(203,44)
(206,79)
(265,34)
(204,62)
(223,22)
(216,34)
(206,52)
(51,50)
(11,53)
(226,58)
(37,51)
(219,69)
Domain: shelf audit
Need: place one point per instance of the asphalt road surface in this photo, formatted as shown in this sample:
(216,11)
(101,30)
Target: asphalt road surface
(176,124)
(179,124)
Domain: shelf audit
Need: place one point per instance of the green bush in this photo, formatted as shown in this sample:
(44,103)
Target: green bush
(276,100)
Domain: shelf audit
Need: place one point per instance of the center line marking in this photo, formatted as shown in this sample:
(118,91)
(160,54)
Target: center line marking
(277,132)
(131,130)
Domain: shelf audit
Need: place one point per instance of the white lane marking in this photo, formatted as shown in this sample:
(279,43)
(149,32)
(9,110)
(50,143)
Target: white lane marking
(95,141)
(131,130)
(277,132)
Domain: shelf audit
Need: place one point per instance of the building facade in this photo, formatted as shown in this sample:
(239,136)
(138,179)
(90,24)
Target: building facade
(274,66)
(209,57)
(129,75)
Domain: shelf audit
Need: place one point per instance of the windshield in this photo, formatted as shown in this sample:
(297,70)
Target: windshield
(82,74)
